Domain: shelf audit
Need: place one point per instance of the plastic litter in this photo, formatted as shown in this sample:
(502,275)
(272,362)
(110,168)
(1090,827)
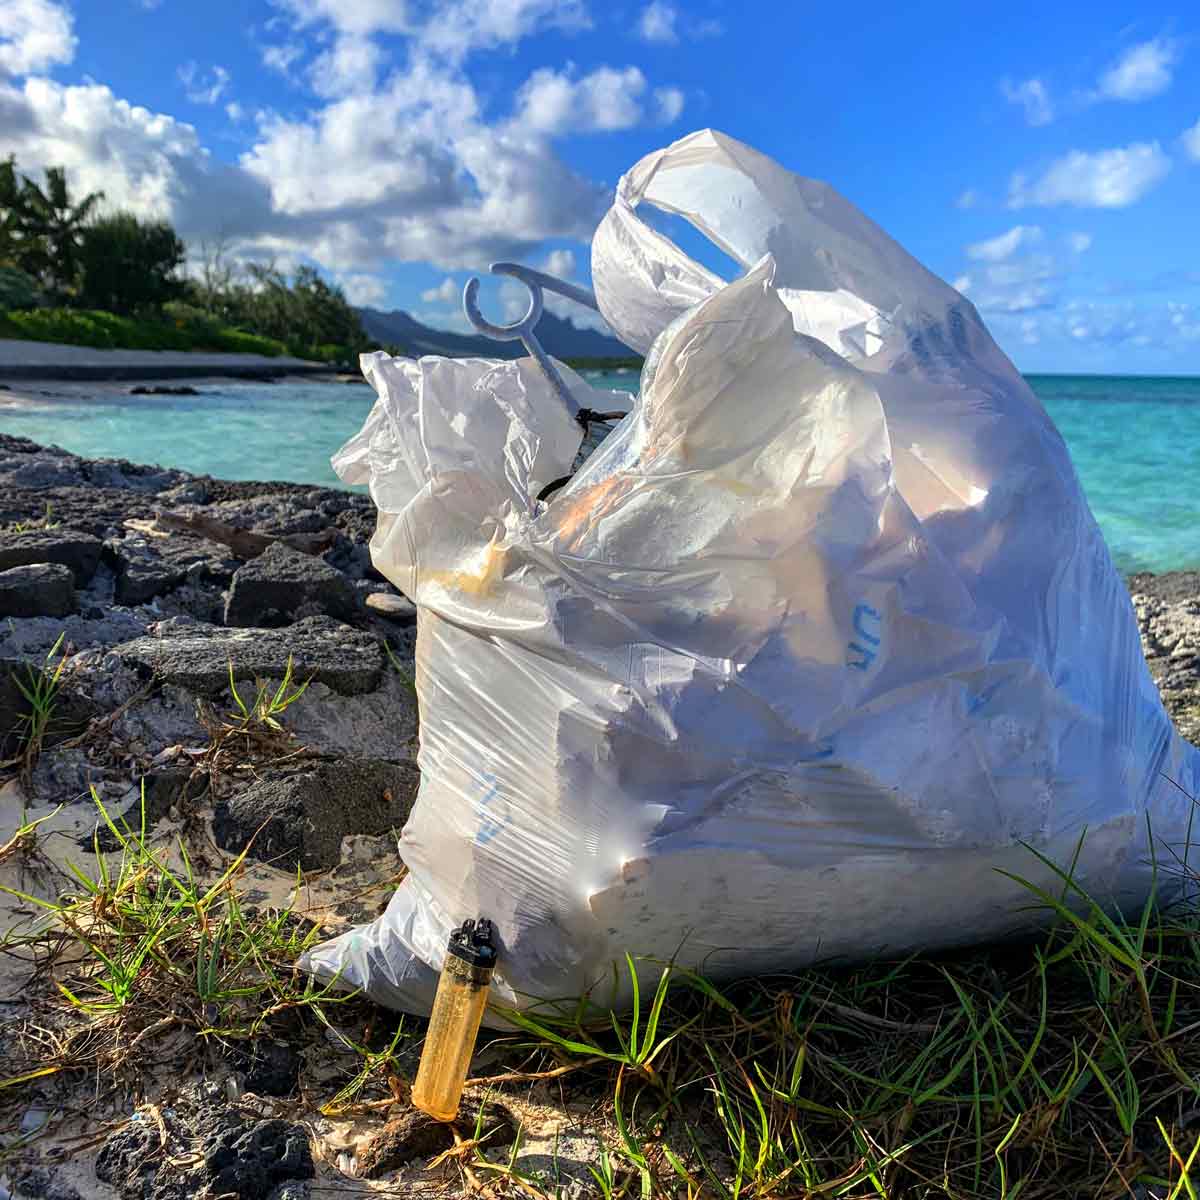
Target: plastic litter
(810,650)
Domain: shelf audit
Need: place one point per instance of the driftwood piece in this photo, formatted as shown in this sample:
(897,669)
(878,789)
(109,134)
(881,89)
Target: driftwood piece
(245,543)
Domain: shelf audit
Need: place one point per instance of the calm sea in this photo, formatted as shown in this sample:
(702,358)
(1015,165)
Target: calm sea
(1135,442)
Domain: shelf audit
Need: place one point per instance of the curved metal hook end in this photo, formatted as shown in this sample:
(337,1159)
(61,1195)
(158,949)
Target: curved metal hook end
(518,330)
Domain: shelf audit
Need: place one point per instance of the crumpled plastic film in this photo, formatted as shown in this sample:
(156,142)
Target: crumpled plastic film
(818,643)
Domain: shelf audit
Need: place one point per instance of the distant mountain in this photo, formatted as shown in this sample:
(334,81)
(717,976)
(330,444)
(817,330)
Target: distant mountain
(560,337)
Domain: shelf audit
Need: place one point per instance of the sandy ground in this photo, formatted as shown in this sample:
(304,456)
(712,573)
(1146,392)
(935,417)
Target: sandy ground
(49,360)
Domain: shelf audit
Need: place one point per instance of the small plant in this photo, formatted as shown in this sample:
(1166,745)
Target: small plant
(265,709)
(46,521)
(40,687)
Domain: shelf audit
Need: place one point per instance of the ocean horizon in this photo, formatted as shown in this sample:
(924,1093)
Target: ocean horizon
(1134,440)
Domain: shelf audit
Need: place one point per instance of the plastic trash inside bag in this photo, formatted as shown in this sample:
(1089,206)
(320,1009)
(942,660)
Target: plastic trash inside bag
(821,639)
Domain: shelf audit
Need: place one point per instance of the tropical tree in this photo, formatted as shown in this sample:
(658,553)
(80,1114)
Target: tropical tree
(10,211)
(53,226)
(127,264)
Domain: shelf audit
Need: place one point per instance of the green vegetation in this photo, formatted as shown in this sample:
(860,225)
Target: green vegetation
(160,950)
(71,274)
(107,331)
(39,687)
(632,363)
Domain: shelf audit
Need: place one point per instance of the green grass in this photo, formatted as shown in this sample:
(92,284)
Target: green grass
(160,950)
(107,331)
(45,522)
(39,687)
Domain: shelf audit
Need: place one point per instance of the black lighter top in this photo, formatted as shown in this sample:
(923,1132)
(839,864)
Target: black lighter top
(475,943)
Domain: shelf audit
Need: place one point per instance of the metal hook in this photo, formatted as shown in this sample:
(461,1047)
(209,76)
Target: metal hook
(523,330)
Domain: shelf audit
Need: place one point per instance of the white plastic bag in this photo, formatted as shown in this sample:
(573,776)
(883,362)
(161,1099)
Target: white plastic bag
(814,642)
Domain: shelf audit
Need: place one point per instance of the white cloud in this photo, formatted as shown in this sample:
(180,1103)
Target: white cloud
(282,57)
(668,104)
(446,292)
(146,162)
(1004,246)
(1079,242)
(1106,179)
(662,23)
(1033,96)
(363,290)
(34,35)
(202,89)
(350,65)
(657,22)
(560,263)
(1191,142)
(379,169)
(967,198)
(1029,331)
(551,102)
(1142,71)
(361,17)
(1185,320)
(962,284)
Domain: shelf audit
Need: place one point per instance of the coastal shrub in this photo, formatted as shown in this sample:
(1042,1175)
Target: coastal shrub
(107,331)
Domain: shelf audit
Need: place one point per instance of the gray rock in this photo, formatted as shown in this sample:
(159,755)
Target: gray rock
(141,573)
(79,551)
(146,568)
(299,818)
(282,584)
(197,657)
(396,608)
(37,590)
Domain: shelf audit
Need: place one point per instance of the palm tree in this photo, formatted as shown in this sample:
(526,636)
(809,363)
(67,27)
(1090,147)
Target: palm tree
(10,211)
(49,216)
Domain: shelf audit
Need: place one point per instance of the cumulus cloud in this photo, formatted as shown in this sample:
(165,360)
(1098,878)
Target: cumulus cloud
(406,166)
(554,102)
(1079,242)
(363,290)
(34,35)
(349,65)
(1143,71)
(967,198)
(204,87)
(657,22)
(962,284)
(446,292)
(1033,96)
(1106,179)
(1191,142)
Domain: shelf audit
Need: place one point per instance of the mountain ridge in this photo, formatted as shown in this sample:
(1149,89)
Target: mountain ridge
(560,337)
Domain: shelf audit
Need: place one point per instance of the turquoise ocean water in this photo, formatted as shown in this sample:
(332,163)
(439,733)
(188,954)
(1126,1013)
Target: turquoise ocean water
(1135,441)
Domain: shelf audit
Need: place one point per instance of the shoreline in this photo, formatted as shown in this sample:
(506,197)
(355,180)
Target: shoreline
(24,361)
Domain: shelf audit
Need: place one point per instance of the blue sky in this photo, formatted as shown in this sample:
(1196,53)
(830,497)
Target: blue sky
(1044,158)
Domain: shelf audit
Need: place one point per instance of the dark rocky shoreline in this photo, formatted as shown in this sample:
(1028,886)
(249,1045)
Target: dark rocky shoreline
(155,615)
